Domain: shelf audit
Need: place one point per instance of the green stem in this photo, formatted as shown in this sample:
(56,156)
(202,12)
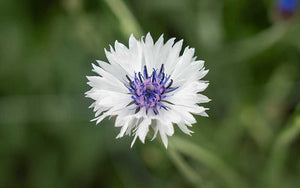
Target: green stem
(209,159)
(243,50)
(184,168)
(128,22)
(280,149)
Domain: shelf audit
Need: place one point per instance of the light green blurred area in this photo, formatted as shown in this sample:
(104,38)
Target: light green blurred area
(251,138)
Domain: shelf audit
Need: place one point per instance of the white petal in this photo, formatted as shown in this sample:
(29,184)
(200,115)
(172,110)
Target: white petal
(165,128)
(127,122)
(164,139)
(182,67)
(113,69)
(106,81)
(149,40)
(173,57)
(133,141)
(155,129)
(163,135)
(132,42)
(184,128)
(143,129)
(129,60)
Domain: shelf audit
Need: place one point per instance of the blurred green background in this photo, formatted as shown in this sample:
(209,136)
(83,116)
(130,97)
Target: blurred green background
(251,138)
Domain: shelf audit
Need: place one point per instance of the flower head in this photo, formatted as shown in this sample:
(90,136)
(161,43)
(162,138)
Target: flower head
(287,8)
(149,85)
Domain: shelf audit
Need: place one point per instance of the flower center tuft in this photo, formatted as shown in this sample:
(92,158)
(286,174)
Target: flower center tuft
(150,91)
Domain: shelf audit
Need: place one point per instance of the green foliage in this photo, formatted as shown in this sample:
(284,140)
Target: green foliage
(251,138)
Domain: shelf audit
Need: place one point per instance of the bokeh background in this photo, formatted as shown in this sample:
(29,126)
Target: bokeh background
(251,138)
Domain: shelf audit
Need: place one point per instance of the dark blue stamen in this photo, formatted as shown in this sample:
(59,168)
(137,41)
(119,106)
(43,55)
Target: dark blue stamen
(153,76)
(140,76)
(163,77)
(149,92)
(155,111)
(172,89)
(132,86)
(128,78)
(166,80)
(145,72)
(136,79)
(170,83)
(161,70)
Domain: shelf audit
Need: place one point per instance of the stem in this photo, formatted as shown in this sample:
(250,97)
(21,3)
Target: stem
(210,160)
(184,168)
(239,52)
(128,22)
(280,149)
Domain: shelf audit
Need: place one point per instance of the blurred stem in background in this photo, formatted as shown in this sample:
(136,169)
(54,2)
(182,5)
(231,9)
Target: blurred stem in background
(210,25)
(190,174)
(247,48)
(261,125)
(280,150)
(207,158)
(128,23)
(84,27)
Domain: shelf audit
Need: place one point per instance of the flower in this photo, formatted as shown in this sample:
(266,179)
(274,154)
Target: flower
(149,85)
(287,8)
(288,5)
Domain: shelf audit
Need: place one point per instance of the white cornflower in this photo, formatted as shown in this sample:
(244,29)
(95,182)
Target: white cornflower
(149,85)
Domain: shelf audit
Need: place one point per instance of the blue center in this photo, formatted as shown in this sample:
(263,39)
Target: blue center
(288,5)
(150,91)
